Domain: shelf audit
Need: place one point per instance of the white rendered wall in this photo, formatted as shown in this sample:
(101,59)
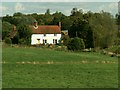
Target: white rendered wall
(48,37)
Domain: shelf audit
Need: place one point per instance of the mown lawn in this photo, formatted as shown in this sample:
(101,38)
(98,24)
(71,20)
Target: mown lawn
(44,68)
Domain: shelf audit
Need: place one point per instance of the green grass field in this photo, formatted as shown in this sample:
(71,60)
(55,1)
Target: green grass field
(44,68)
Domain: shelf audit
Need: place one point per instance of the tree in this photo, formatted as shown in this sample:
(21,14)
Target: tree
(7,18)
(57,17)
(117,42)
(47,17)
(118,21)
(104,29)
(66,23)
(96,29)
(0,29)
(6,29)
(81,28)
(8,41)
(28,20)
(19,18)
(76,12)
(47,11)
(18,14)
(24,33)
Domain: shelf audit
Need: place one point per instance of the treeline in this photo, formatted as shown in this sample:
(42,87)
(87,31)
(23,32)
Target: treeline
(97,30)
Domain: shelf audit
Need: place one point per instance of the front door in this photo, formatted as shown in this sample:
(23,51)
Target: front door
(38,41)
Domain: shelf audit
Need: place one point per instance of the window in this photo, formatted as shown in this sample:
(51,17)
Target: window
(44,35)
(55,34)
(44,41)
(54,41)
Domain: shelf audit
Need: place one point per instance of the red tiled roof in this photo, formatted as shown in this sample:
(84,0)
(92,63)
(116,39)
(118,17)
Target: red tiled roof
(49,29)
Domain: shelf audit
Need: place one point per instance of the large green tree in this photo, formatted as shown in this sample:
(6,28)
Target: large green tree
(57,17)
(0,29)
(24,34)
(104,29)
(81,28)
(118,24)
(6,29)
(19,18)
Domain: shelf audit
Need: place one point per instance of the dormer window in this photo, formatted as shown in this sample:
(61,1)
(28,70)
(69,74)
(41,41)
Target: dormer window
(36,27)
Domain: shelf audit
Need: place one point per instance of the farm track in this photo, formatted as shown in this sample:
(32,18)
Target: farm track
(53,62)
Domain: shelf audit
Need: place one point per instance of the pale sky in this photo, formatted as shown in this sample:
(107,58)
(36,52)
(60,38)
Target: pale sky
(40,6)
(59,0)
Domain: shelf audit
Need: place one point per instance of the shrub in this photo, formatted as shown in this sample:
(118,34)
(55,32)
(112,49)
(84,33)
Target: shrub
(76,44)
(65,40)
(24,41)
(114,49)
(117,51)
(8,41)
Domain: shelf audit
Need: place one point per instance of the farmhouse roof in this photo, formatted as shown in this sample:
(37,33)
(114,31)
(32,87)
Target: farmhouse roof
(46,29)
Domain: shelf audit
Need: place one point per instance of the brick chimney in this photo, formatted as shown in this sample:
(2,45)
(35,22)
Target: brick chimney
(35,23)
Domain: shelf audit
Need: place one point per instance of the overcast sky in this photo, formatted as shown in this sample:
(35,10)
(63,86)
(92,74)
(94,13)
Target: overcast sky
(38,6)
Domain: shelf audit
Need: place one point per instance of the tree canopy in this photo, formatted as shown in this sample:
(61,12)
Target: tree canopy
(96,29)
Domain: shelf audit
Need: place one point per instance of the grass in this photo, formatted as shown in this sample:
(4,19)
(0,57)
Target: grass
(45,68)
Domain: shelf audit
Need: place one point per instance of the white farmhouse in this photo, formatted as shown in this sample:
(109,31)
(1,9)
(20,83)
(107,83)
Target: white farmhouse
(46,34)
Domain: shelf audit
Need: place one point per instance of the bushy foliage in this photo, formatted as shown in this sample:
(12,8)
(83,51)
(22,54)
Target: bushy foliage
(65,40)
(76,44)
(24,33)
(0,29)
(6,29)
(8,41)
(15,39)
(98,30)
(114,49)
(104,29)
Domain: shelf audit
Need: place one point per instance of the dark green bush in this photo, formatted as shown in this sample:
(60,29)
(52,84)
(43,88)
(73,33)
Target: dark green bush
(65,40)
(24,41)
(76,44)
(117,50)
(24,34)
(8,41)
